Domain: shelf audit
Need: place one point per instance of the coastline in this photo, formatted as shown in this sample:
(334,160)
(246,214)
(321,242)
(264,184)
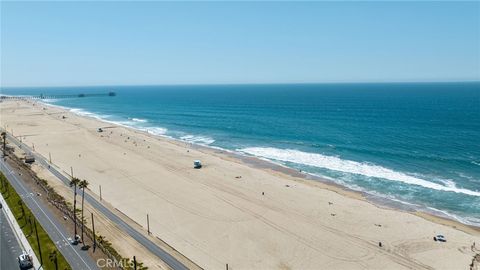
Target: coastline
(287,175)
(376,201)
(433,215)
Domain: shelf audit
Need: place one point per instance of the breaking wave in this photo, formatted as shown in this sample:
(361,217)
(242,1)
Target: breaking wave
(348,166)
(197,139)
(139,120)
(155,130)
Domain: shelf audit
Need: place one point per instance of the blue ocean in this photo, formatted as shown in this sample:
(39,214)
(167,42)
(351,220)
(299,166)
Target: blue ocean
(417,144)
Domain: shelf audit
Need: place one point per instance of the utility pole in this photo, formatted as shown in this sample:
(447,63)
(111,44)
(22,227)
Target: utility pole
(148,225)
(30,223)
(71,171)
(94,238)
(50,157)
(100,192)
(38,243)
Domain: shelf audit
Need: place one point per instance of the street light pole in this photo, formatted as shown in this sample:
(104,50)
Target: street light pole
(38,243)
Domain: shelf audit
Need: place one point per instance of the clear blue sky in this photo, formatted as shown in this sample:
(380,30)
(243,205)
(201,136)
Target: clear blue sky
(117,43)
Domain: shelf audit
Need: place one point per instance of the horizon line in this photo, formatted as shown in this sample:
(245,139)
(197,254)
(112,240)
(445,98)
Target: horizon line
(240,84)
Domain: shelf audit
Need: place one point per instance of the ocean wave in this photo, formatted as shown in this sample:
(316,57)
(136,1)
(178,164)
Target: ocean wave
(139,120)
(82,112)
(132,123)
(155,130)
(56,106)
(348,166)
(465,220)
(85,113)
(197,139)
(50,100)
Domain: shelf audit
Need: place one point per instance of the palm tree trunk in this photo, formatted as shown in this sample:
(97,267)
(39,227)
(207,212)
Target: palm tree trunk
(83,197)
(75,209)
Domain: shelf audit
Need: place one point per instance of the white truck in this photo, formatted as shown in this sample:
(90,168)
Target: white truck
(25,261)
(197,164)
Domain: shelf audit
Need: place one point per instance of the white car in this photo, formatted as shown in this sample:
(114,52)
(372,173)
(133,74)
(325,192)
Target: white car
(75,241)
(440,238)
(25,261)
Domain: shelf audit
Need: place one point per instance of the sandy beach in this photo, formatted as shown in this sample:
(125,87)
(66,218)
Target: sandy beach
(234,211)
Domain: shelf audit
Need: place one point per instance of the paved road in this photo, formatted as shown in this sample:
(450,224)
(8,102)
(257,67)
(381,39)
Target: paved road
(77,258)
(10,248)
(147,243)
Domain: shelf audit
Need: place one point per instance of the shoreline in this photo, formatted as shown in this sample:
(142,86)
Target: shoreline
(262,163)
(301,221)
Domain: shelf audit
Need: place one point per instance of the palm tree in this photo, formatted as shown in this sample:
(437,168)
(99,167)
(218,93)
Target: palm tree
(4,136)
(20,203)
(100,239)
(30,223)
(74,183)
(7,190)
(83,184)
(53,258)
(3,184)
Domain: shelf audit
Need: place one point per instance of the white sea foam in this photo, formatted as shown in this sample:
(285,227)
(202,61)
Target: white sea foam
(159,131)
(348,166)
(156,130)
(449,183)
(197,139)
(50,100)
(140,120)
(465,220)
(82,112)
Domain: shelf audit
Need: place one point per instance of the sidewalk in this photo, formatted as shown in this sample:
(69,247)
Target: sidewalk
(19,233)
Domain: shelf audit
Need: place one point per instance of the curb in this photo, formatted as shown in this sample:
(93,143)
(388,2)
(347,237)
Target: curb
(19,233)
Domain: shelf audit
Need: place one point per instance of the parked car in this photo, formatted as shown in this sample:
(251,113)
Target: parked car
(25,261)
(440,238)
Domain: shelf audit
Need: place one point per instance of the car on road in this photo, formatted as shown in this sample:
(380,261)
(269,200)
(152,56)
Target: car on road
(75,241)
(25,261)
(439,238)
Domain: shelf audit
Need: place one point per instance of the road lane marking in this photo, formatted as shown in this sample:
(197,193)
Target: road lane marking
(54,225)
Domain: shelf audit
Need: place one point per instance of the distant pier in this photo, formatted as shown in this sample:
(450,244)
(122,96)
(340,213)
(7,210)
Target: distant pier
(42,96)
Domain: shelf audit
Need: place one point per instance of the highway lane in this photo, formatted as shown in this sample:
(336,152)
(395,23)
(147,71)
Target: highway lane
(10,248)
(77,258)
(171,261)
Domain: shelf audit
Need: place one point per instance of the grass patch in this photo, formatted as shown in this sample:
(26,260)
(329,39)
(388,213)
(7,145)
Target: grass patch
(23,215)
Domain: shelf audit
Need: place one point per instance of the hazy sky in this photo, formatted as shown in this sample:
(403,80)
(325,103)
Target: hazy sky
(115,43)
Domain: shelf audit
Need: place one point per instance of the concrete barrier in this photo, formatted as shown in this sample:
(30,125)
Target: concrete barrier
(19,233)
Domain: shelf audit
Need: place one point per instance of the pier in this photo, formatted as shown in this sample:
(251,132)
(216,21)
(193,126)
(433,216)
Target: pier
(46,96)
